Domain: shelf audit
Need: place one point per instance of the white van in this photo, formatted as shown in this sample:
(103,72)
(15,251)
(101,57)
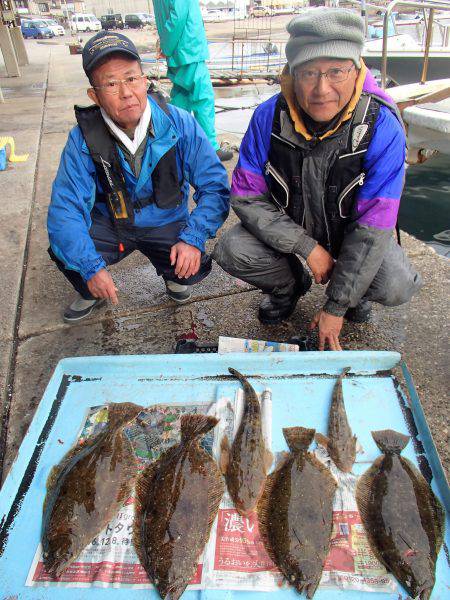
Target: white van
(54,26)
(84,22)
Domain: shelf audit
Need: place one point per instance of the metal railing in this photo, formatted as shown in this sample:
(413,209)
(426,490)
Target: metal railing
(432,7)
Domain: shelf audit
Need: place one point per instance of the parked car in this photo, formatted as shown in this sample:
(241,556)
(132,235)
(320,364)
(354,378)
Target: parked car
(54,26)
(84,22)
(214,15)
(36,29)
(261,11)
(283,9)
(134,21)
(147,18)
(112,22)
(300,5)
(238,14)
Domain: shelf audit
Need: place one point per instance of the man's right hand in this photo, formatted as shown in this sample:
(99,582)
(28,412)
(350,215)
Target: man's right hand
(101,285)
(321,264)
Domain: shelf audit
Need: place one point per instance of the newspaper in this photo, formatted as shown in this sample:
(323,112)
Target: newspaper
(234,557)
(229,344)
(110,559)
(350,564)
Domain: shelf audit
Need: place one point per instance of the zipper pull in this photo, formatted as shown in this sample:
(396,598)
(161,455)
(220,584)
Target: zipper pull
(361,179)
(267,168)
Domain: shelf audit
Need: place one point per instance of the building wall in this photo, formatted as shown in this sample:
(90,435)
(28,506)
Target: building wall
(103,7)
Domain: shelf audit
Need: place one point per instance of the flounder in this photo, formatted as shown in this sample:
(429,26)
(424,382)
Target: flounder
(341,443)
(295,513)
(403,519)
(87,489)
(177,499)
(246,464)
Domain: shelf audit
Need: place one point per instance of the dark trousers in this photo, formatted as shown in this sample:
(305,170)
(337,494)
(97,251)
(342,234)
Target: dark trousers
(154,242)
(242,255)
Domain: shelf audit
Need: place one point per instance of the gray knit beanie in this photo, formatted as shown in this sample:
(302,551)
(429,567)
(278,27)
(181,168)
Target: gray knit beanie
(325,33)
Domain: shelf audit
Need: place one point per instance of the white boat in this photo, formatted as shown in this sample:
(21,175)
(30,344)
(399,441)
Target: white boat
(425,110)
(424,103)
(405,59)
(405,52)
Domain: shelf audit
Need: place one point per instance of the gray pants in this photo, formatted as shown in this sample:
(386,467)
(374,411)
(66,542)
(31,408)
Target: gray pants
(242,255)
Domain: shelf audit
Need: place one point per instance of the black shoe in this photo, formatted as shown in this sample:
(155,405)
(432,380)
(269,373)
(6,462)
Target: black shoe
(81,308)
(360,313)
(224,155)
(275,308)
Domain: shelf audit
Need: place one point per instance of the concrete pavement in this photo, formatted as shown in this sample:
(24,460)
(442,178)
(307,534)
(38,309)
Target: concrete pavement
(38,112)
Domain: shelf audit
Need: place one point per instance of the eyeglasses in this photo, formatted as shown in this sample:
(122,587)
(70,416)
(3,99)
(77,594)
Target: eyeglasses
(333,75)
(113,86)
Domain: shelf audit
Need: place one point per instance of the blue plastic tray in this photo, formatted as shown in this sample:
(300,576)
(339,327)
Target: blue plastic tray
(301,383)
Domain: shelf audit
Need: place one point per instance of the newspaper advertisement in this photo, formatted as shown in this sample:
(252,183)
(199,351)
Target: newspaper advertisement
(234,557)
(350,563)
(110,559)
(229,344)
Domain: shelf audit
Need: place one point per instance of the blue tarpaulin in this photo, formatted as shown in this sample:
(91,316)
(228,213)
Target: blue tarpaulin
(301,385)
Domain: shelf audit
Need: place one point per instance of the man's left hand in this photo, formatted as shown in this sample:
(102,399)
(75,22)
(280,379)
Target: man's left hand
(329,329)
(186,259)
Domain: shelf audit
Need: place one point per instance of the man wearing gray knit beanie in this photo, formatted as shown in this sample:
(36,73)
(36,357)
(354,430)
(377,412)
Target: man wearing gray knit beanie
(318,181)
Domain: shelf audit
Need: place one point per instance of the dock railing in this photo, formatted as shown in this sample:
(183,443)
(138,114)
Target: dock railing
(431,7)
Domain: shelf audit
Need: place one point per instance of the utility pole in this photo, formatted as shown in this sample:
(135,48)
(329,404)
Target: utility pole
(7,25)
(364,16)
(68,19)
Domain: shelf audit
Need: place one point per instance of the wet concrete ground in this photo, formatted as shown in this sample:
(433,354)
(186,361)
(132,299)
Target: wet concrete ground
(38,112)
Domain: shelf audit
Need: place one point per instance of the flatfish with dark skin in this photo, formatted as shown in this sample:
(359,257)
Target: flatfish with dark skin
(87,489)
(296,513)
(246,463)
(341,443)
(177,499)
(403,518)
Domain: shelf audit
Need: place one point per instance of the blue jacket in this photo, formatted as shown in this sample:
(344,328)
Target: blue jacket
(73,194)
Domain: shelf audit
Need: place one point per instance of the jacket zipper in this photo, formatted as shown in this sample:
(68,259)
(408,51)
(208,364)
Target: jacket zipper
(326,222)
(271,171)
(283,140)
(352,154)
(357,181)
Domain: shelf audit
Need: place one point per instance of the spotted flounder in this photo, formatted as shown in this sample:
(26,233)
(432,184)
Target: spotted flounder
(295,513)
(341,443)
(177,499)
(403,519)
(87,489)
(246,464)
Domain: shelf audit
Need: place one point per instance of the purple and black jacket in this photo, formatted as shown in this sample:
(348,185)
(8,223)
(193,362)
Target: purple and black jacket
(375,207)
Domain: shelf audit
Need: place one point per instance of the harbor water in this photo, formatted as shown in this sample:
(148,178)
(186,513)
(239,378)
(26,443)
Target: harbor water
(425,205)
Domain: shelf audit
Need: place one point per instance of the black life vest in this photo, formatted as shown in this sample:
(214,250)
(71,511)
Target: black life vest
(315,182)
(167,189)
